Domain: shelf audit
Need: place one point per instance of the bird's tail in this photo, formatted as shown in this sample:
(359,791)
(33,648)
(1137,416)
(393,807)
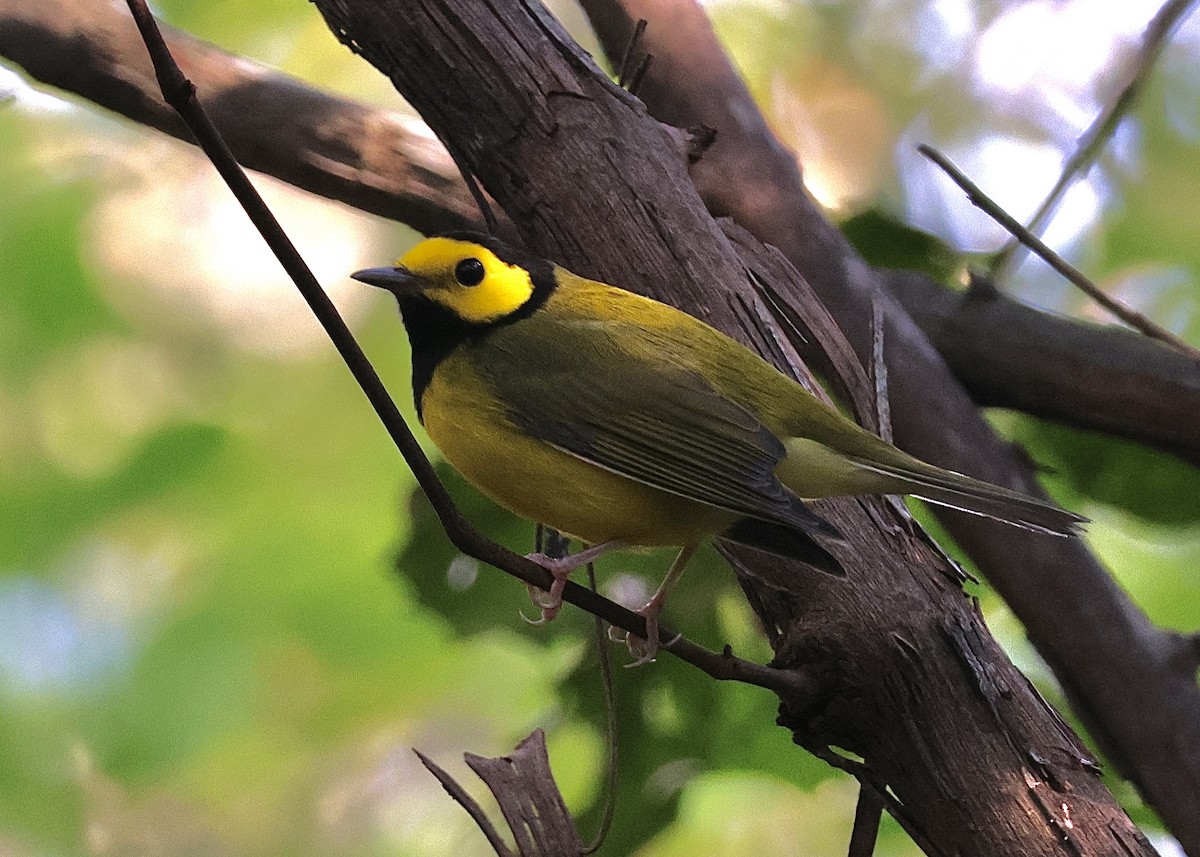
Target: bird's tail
(947,488)
(785,541)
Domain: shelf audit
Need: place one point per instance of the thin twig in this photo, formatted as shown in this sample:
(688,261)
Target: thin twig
(867,815)
(178,92)
(868,780)
(981,200)
(610,727)
(626,67)
(639,74)
(481,201)
(883,405)
(1096,137)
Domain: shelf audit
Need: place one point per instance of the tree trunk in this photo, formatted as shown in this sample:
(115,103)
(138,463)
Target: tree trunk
(978,763)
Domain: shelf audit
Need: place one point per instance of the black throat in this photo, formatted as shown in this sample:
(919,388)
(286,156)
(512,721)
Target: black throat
(434,331)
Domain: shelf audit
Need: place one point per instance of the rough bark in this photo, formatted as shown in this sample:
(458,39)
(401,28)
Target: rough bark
(385,163)
(529,799)
(1132,683)
(978,762)
(363,156)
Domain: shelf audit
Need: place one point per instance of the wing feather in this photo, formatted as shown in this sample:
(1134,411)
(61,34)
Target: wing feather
(657,424)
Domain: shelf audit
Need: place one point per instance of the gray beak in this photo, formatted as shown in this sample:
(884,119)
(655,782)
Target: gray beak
(398,281)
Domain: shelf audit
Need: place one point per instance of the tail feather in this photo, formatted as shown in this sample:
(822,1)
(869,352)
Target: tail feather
(784,541)
(947,488)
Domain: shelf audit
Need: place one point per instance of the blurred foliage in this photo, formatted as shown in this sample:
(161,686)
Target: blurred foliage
(225,616)
(886,242)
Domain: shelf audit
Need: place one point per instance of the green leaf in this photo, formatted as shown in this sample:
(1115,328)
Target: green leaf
(886,242)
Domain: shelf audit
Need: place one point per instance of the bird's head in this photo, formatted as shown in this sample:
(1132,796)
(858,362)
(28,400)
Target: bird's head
(476,277)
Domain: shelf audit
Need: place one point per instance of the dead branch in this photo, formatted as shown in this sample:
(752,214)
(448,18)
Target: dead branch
(1136,320)
(529,799)
(591,181)
(387,163)
(528,796)
(1114,665)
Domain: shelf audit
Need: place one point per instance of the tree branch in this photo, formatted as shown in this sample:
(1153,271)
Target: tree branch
(66,45)
(387,163)
(180,93)
(1109,658)
(1104,651)
(1041,364)
(379,161)
(593,182)
(1133,318)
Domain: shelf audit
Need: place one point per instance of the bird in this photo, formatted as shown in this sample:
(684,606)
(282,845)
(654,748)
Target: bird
(624,422)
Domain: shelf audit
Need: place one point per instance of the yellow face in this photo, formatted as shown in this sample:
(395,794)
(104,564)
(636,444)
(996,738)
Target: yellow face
(468,279)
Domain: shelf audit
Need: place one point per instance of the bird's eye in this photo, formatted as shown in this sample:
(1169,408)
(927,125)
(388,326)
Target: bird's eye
(469,272)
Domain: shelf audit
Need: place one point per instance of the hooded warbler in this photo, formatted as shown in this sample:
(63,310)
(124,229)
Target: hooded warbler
(622,421)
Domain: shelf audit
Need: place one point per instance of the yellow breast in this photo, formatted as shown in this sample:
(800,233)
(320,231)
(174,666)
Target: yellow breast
(542,483)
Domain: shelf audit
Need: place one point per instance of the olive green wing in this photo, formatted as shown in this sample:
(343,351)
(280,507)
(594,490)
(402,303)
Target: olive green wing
(663,426)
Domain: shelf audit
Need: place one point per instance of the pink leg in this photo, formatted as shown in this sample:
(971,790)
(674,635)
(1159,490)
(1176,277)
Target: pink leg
(561,568)
(653,608)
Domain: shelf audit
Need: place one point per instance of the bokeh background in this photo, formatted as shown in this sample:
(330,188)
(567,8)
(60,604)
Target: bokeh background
(225,618)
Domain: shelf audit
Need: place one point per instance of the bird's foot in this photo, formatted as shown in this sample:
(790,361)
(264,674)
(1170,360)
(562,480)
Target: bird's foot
(549,602)
(560,568)
(641,650)
(645,651)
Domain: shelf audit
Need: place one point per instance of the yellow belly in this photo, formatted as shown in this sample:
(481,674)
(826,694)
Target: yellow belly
(539,482)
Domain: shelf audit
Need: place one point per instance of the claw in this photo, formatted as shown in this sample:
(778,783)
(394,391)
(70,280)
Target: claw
(545,604)
(540,621)
(645,651)
(548,602)
(560,568)
(648,648)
